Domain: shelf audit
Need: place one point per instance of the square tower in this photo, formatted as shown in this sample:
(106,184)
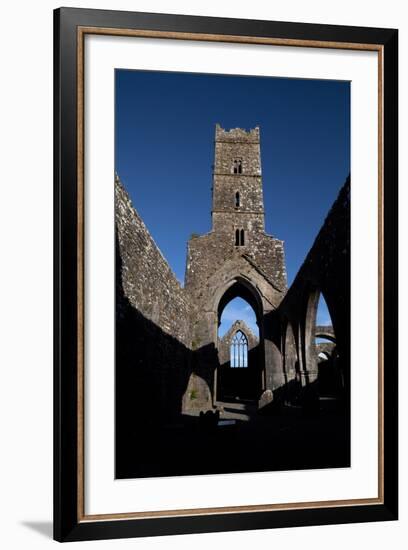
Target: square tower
(238,233)
(237,200)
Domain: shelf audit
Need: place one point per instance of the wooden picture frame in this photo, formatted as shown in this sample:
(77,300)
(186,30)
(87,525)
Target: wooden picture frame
(70,520)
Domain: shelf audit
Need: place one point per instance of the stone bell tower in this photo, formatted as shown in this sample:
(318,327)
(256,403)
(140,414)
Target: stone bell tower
(235,259)
(237,199)
(238,217)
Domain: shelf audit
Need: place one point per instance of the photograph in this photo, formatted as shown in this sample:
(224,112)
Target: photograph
(232,273)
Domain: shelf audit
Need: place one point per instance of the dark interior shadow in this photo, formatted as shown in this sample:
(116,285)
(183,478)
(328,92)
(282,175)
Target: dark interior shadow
(42,527)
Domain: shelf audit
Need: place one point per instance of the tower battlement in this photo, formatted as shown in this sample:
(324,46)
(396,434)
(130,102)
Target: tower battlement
(237,135)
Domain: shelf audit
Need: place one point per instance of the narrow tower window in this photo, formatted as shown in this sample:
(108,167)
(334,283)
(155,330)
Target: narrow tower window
(237,166)
(237,200)
(239,237)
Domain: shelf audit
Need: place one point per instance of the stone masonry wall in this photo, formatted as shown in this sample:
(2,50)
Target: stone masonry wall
(325,271)
(153,354)
(207,253)
(148,282)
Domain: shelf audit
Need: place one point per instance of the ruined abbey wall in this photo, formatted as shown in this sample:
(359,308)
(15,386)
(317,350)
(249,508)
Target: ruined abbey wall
(208,253)
(325,271)
(147,279)
(152,338)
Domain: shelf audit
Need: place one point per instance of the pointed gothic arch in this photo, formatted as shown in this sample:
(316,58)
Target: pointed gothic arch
(242,374)
(239,287)
(311,330)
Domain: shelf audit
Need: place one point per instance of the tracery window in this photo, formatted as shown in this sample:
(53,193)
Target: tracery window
(239,350)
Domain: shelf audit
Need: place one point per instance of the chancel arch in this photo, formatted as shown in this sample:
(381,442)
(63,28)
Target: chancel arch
(239,287)
(238,375)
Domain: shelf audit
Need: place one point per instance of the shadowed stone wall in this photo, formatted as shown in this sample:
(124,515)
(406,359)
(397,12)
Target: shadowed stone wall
(325,271)
(147,279)
(153,340)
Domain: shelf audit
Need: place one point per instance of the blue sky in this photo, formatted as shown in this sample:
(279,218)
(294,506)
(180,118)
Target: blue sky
(234,310)
(240,309)
(164,148)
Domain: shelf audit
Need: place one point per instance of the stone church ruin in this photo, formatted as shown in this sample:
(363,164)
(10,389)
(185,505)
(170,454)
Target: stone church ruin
(170,360)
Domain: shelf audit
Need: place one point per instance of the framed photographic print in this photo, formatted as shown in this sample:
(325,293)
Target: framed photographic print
(225,274)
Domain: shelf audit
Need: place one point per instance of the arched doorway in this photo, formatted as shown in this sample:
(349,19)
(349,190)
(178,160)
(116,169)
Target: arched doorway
(239,344)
